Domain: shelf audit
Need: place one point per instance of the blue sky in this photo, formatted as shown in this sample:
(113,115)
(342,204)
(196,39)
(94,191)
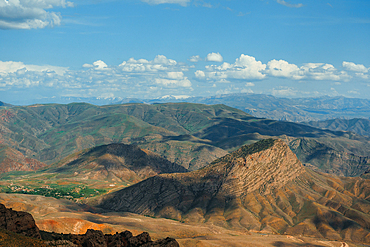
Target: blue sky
(153,48)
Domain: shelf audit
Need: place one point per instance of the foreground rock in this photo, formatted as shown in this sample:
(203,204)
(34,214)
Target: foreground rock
(24,224)
(18,222)
(262,187)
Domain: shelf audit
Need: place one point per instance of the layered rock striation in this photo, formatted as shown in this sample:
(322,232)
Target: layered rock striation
(261,187)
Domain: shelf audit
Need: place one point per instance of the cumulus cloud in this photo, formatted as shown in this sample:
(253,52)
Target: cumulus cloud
(245,67)
(282,68)
(100,65)
(322,71)
(282,2)
(160,63)
(195,59)
(155,2)
(316,71)
(160,75)
(355,67)
(12,67)
(173,83)
(30,14)
(199,74)
(214,57)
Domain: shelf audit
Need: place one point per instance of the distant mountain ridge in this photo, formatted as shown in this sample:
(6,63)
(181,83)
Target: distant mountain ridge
(359,126)
(261,187)
(288,109)
(258,105)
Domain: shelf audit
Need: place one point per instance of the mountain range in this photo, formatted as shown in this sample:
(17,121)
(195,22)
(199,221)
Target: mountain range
(191,135)
(262,187)
(258,105)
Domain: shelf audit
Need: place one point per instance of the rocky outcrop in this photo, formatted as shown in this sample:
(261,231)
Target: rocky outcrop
(18,222)
(23,223)
(261,187)
(96,238)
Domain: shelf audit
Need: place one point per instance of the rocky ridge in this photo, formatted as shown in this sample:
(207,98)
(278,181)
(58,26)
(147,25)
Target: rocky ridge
(261,187)
(116,162)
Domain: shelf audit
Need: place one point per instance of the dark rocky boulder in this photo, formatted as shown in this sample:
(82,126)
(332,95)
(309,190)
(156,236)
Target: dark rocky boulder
(18,222)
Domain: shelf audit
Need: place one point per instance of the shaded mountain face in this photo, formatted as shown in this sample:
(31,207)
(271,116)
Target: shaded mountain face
(13,160)
(321,157)
(359,126)
(263,187)
(114,162)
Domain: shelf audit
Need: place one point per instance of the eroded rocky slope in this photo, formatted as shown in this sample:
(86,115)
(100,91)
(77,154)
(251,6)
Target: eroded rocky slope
(260,187)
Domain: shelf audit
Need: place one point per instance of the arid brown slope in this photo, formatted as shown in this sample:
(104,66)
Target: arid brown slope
(115,162)
(258,187)
(13,160)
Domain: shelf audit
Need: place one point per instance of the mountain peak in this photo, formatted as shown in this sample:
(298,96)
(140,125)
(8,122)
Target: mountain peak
(262,166)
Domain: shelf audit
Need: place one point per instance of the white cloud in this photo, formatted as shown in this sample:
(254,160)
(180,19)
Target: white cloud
(321,71)
(353,92)
(355,67)
(86,65)
(173,83)
(282,2)
(155,2)
(249,84)
(362,75)
(99,78)
(100,65)
(214,57)
(30,14)
(11,67)
(282,68)
(315,71)
(175,75)
(195,59)
(160,63)
(245,67)
(200,74)
(284,92)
